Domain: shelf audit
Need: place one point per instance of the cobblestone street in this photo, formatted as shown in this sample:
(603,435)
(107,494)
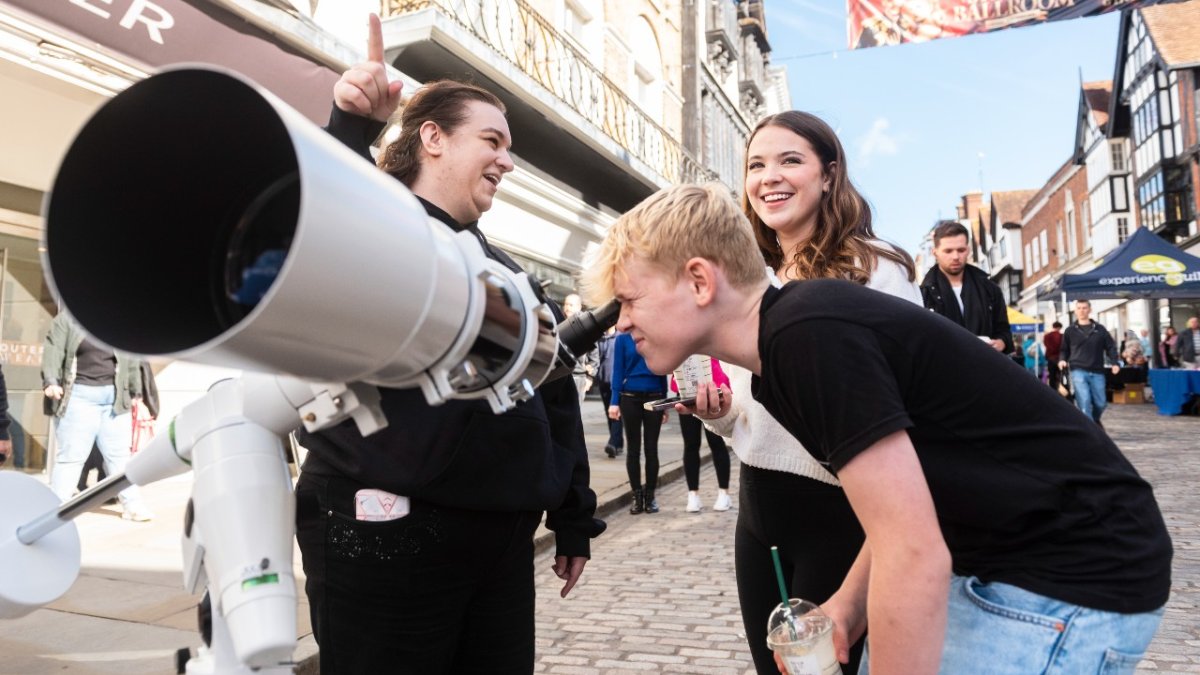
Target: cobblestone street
(659,594)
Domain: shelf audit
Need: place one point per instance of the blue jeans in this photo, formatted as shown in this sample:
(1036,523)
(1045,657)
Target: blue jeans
(89,420)
(1089,392)
(1017,632)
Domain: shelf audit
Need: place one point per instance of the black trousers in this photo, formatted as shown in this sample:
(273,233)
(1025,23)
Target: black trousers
(1055,376)
(441,590)
(615,438)
(818,538)
(690,426)
(638,420)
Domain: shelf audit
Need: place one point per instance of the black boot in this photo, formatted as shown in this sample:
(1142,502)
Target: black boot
(651,502)
(639,503)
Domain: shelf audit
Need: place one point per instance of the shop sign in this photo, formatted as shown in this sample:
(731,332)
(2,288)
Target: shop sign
(158,33)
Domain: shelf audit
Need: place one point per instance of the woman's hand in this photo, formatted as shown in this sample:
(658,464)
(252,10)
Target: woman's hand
(712,402)
(364,89)
(614,412)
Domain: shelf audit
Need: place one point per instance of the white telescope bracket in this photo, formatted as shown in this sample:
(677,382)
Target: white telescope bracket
(237,540)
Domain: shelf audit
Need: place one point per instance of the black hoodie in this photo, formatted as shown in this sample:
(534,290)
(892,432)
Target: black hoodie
(459,454)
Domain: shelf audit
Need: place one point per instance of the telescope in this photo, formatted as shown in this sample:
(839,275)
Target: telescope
(253,240)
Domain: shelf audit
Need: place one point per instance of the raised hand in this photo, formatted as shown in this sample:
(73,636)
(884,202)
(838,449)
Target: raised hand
(364,89)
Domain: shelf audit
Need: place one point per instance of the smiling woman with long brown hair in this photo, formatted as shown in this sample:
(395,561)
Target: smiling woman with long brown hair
(810,223)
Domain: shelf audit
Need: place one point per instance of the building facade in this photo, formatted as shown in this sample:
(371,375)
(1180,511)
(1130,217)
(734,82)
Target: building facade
(595,91)
(1004,244)
(1053,239)
(1154,105)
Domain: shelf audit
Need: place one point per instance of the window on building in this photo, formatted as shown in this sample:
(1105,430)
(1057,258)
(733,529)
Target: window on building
(647,68)
(1086,221)
(579,26)
(1120,198)
(1122,229)
(1028,263)
(1044,241)
(1060,250)
(1118,156)
(1072,239)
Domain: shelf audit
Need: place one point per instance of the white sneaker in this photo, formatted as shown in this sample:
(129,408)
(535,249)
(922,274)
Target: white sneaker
(693,505)
(723,502)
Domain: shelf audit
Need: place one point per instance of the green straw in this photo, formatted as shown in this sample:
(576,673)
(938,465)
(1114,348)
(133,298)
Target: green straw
(783,594)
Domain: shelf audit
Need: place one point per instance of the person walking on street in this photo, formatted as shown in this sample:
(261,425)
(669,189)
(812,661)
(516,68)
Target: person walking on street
(1187,345)
(690,427)
(962,292)
(633,385)
(604,372)
(1085,346)
(1035,358)
(89,390)
(5,422)
(585,366)
(1052,341)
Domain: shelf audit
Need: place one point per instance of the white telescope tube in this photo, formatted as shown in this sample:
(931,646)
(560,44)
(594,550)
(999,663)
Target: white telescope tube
(197,216)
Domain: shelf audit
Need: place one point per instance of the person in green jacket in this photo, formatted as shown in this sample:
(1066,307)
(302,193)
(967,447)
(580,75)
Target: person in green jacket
(90,390)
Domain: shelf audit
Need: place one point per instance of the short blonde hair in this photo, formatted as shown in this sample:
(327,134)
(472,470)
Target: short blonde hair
(670,227)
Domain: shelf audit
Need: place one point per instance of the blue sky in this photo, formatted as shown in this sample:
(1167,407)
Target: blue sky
(915,118)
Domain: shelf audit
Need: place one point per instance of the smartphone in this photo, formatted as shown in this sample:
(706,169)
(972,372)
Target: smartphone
(668,403)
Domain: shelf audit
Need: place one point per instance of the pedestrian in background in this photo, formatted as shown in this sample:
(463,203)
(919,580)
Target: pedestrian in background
(809,223)
(690,427)
(604,370)
(1035,358)
(634,385)
(962,292)
(1085,346)
(1053,344)
(1166,348)
(5,422)
(90,390)
(585,365)
(1132,353)
(1187,345)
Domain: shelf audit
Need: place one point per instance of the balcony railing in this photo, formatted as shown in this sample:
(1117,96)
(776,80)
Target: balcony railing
(519,34)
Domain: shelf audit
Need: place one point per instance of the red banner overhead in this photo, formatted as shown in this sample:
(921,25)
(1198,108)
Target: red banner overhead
(878,23)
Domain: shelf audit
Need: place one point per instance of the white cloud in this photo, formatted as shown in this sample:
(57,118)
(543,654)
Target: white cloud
(877,142)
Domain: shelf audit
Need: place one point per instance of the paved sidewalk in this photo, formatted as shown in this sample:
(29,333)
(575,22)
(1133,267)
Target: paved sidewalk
(127,613)
(658,595)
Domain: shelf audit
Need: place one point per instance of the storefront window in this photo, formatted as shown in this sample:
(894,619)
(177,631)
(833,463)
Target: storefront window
(25,312)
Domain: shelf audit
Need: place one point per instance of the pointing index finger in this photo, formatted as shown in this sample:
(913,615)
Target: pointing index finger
(374,39)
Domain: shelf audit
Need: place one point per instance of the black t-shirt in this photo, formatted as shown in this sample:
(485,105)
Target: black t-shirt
(1028,491)
(94,365)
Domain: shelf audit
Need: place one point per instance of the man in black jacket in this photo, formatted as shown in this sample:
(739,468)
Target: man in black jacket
(1085,344)
(962,292)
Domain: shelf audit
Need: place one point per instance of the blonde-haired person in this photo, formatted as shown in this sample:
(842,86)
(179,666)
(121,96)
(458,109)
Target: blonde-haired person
(810,223)
(417,541)
(1060,553)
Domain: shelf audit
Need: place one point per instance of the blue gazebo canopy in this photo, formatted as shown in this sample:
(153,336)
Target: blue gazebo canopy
(1144,266)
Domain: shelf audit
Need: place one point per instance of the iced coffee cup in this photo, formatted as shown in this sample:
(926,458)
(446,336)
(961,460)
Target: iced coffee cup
(802,636)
